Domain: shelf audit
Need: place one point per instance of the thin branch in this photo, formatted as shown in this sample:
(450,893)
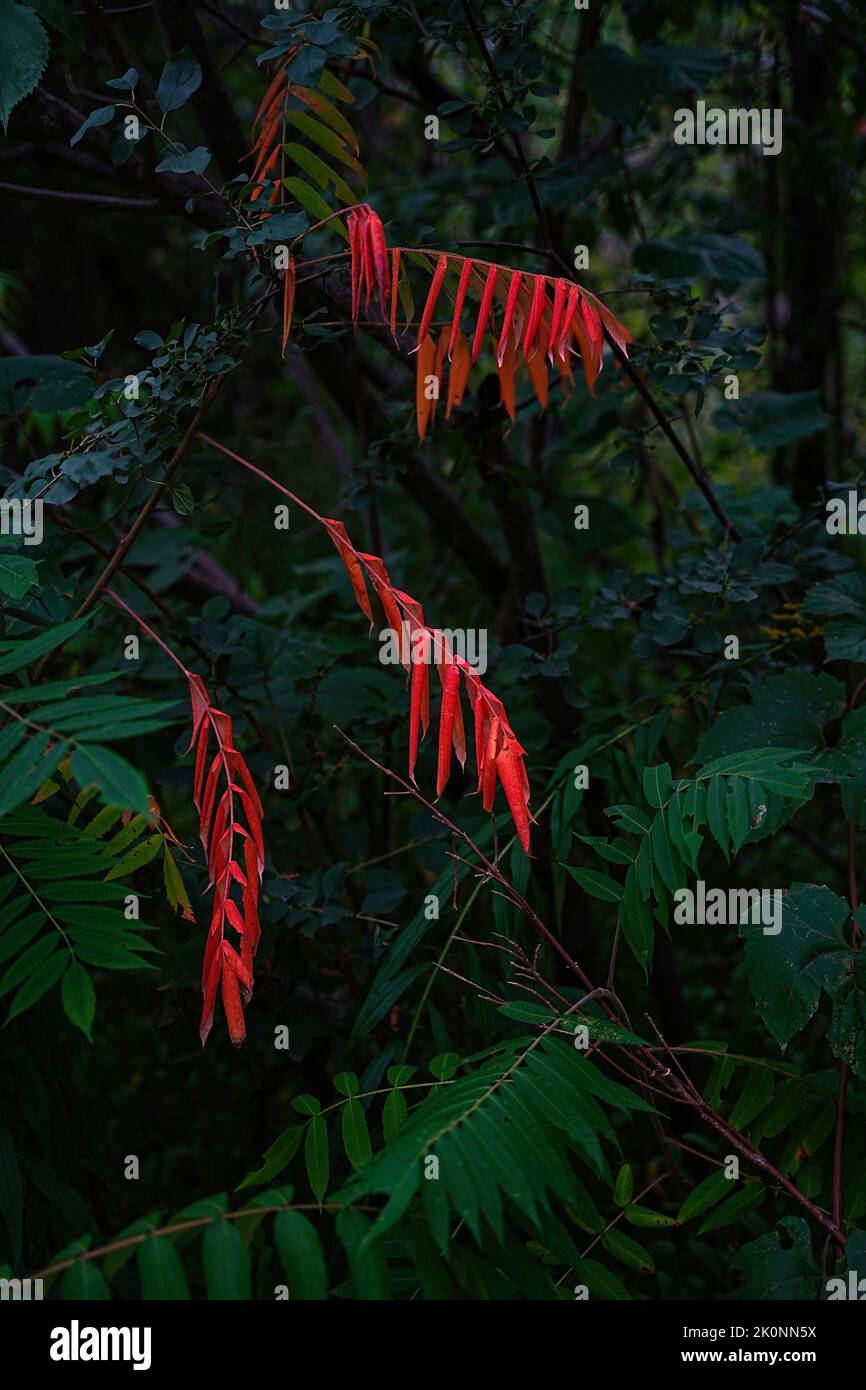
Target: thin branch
(68,195)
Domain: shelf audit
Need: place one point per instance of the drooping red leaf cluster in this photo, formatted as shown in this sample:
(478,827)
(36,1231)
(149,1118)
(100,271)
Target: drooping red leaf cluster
(545,320)
(499,757)
(230,824)
(269,124)
(498,754)
(230,827)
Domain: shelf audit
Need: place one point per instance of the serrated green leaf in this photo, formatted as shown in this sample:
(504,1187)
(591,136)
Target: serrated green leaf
(301,1254)
(226,1262)
(316,1156)
(160,1271)
(79,997)
(737,1205)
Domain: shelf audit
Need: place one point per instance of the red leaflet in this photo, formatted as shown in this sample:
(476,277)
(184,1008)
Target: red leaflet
(450,700)
(353,223)
(379,257)
(288,300)
(346,552)
(232,1005)
(617,331)
(384,590)
(488,771)
(439,368)
(537,368)
(539,300)
(570,311)
(506,369)
(368,274)
(424,400)
(273,93)
(459,374)
(462,286)
(484,310)
(594,328)
(262,174)
(560,291)
(419,696)
(509,767)
(590,362)
(432,296)
(510,305)
(395,285)
(444,661)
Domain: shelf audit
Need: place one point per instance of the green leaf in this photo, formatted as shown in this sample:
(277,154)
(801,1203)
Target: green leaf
(185,161)
(18,573)
(657,783)
(705,1195)
(319,171)
(367,1267)
(636,921)
(624,1186)
(598,885)
(771,419)
(773,1271)
(180,77)
(160,1271)
(527,1012)
(627,1251)
(666,862)
(356,1137)
(787,971)
(443,1067)
(316,1156)
(394,1115)
(119,783)
(79,998)
(23,55)
(628,818)
(226,1262)
(739,818)
(843,595)
(46,974)
(101,116)
(788,710)
(749,1197)
(311,201)
(704,256)
(306,1105)
(637,1215)
(326,138)
(756,1094)
(716,815)
(15,653)
(83,1281)
(614,851)
(301,1255)
(276,1158)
